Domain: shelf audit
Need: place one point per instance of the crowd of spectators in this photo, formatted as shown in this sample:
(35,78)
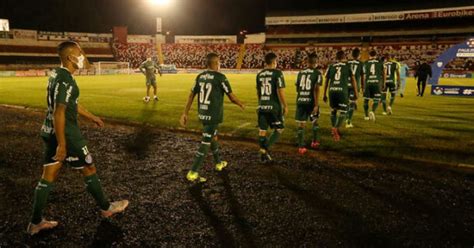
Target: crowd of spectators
(134,53)
(289,57)
(194,55)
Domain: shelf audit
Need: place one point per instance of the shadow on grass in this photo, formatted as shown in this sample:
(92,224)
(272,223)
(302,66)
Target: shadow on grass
(224,237)
(350,226)
(143,136)
(107,234)
(244,227)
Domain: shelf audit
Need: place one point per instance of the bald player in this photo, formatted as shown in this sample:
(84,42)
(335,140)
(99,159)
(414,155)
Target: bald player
(64,143)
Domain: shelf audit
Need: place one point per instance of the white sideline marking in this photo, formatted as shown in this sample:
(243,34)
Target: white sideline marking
(240,127)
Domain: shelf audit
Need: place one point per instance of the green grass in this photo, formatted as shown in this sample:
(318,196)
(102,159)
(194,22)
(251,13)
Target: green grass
(432,127)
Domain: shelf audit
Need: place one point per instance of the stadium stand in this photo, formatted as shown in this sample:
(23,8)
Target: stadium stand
(193,55)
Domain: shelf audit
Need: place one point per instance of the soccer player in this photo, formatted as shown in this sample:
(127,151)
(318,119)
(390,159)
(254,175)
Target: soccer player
(338,77)
(148,68)
(392,73)
(374,81)
(211,85)
(356,68)
(403,77)
(272,105)
(64,141)
(307,90)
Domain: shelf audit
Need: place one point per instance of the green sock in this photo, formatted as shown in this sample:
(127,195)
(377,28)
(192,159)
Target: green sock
(94,188)
(333,118)
(366,107)
(300,135)
(40,199)
(375,105)
(200,155)
(315,132)
(340,118)
(350,112)
(273,138)
(384,102)
(262,141)
(392,99)
(215,152)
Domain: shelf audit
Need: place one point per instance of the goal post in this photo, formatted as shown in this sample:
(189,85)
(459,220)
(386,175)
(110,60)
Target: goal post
(112,67)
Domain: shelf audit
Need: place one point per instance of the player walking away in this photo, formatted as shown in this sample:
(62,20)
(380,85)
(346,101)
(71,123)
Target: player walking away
(148,68)
(211,86)
(271,105)
(422,73)
(393,73)
(404,69)
(338,77)
(307,90)
(64,141)
(374,76)
(356,68)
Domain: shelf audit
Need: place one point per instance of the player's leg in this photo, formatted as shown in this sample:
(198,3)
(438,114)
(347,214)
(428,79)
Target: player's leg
(40,199)
(207,135)
(94,188)
(314,118)
(45,185)
(147,97)
(277,124)
(350,109)
(384,101)
(418,87)
(219,163)
(393,94)
(403,82)
(423,86)
(155,97)
(301,116)
(367,98)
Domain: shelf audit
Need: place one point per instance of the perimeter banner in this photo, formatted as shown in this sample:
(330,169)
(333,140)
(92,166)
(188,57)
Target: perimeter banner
(447,90)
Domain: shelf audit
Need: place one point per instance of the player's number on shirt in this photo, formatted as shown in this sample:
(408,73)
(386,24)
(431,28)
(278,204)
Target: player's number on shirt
(205,92)
(266,87)
(305,82)
(388,70)
(372,69)
(337,76)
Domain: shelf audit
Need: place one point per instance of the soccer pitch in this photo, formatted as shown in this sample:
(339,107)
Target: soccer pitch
(433,127)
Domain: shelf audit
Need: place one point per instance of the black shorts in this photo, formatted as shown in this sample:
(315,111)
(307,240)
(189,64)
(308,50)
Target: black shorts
(305,112)
(270,119)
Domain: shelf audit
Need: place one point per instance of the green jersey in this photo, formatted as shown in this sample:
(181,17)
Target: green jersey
(356,68)
(339,77)
(210,87)
(373,72)
(306,81)
(62,89)
(392,68)
(268,83)
(148,68)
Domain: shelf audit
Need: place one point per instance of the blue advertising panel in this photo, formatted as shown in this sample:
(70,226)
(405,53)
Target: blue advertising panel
(462,50)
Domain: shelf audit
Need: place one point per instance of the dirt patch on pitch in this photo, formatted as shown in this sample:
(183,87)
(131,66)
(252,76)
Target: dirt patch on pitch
(317,200)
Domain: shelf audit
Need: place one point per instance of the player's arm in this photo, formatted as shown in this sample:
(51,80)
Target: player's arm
(326,85)
(384,78)
(354,86)
(235,100)
(316,93)
(184,117)
(362,81)
(281,93)
(142,68)
(59,129)
(397,73)
(83,112)
(159,69)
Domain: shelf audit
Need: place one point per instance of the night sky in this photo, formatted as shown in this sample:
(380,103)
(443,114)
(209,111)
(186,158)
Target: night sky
(183,17)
